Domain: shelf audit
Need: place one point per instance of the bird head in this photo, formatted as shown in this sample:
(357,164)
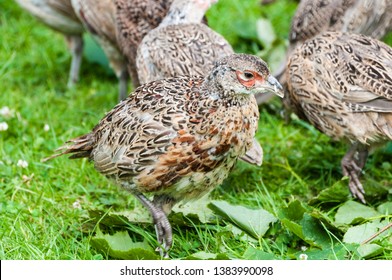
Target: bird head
(243,74)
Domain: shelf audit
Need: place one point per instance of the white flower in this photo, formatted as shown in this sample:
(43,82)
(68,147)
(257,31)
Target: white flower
(304,248)
(76,205)
(46,127)
(5,112)
(22,163)
(303,257)
(3,126)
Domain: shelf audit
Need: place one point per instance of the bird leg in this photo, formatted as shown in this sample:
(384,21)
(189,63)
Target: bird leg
(352,164)
(75,43)
(162,225)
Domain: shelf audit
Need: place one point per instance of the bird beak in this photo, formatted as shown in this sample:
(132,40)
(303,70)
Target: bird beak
(272,85)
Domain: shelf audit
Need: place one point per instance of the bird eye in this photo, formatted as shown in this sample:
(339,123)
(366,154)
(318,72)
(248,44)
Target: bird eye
(248,75)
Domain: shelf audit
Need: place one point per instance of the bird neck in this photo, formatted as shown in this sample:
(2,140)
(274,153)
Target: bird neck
(224,94)
(185,11)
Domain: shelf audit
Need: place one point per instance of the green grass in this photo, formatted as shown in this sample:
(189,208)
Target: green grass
(40,217)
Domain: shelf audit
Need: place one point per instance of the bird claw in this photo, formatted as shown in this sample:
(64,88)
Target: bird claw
(352,170)
(164,235)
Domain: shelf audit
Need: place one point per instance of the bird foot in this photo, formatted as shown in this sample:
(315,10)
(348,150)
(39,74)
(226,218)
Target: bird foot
(352,170)
(164,233)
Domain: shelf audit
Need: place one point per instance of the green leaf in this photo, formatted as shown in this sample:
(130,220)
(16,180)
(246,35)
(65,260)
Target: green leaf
(314,232)
(353,212)
(337,252)
(121,246)
(294,228)
(255,254)
(265,32)
(254,222)
(337,193)
(294,211)
(192,212)
(358,234)
(385,208)
(369,250)
(202,255)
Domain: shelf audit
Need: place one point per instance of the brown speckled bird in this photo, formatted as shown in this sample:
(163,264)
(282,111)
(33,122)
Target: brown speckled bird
(134,19)
(182,45)
(179,137)
(369,17)
(60,16)
(98,17)
(313,17)
(342,84)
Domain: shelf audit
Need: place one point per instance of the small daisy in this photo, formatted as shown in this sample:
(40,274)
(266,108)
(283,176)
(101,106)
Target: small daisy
(5,112)
(303,257)
(76,205)
(22,163)
(46,127)
(3,126)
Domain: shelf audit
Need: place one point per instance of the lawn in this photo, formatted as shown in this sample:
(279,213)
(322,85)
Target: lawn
(296,205)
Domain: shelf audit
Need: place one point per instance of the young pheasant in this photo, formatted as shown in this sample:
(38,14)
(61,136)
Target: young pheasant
(182,45)
(98,17)
(342,84)
(313,17)
(179,137)
(60,16)
(134,19)
(369,17)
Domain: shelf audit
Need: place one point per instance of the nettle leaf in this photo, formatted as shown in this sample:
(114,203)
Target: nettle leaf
(137,215)
(314,231)
(256,254)
(385,208)
(254,222)
(294,211)
(337,193)
(306,224)
(369,250)
(327,221)
(294,228)
(121,246)
(353,212)
(337,252)
(358,234)
(192,212)
(207,256)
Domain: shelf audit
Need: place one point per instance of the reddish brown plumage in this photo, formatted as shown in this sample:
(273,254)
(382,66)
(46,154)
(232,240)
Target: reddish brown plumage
(177,138)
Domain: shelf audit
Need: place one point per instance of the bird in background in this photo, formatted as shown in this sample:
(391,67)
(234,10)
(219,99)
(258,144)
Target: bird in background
(134,19)
(98,18)
(342,84)
(60,16)
(178,138)
(313,17)
(183,45)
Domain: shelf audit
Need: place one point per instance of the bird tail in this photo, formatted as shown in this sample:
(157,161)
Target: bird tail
(79,147)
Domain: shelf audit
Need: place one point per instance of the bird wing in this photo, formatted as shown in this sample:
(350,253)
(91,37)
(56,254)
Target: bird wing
(312,17)
(363,72)
(186,49)
(64,7)
(98,17)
